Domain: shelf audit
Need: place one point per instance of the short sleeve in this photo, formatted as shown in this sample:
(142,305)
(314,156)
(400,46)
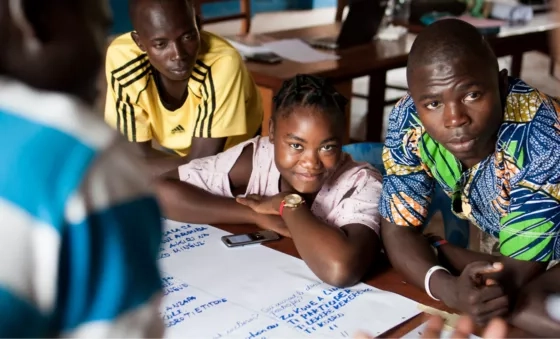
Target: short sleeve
(407,187)
(108,278)
(361,205)
(222,111)
(211,174)
(121,111)
(531,229)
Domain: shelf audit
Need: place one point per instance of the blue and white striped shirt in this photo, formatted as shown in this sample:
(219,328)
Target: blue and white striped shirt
(79,227)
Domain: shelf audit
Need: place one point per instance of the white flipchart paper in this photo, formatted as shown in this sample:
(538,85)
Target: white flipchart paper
(211,291)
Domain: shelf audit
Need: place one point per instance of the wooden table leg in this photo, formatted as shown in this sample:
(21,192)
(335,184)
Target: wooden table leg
(376,103)
(345,88)
(516,61)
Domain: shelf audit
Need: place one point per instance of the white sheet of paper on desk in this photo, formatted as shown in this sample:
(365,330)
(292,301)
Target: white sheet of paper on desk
(417,333)
(245,50)
(298,51)
(212,291)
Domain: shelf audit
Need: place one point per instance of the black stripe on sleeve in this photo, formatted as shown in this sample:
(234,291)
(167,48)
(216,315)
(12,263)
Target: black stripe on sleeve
(133,70)
(197,79)
(202,64)
(197,119)
(131,62)
(140,76)
(213,97)
(118,109)
(205,109)
(125,119)
(132,118)
(198,72)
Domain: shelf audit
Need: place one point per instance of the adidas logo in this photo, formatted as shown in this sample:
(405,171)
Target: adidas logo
(178,129)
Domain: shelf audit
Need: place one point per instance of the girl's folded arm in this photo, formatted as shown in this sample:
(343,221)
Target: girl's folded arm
(340,256)
(206,194)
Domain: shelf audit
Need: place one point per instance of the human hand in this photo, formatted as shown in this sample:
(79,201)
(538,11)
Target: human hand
(274,223)
(479,294)
(496,329)
(263,205)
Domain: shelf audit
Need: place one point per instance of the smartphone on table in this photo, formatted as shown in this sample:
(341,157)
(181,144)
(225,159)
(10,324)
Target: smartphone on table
(264,58)
(235,240)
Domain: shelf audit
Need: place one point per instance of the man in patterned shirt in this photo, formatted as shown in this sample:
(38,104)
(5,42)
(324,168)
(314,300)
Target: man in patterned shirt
(492,143)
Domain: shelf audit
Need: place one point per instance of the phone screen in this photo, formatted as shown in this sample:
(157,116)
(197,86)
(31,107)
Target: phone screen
(236,239)
(269,58)
(249,238)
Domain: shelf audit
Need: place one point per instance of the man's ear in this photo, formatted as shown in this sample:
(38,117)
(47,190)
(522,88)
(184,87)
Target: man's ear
(504,84)
(29,38)
(136,39)
(271,130)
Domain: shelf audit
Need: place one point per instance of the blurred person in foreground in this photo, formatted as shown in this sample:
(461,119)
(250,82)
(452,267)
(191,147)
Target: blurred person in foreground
(79,228)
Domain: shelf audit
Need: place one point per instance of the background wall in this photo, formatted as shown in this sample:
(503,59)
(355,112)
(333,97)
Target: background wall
(122,22)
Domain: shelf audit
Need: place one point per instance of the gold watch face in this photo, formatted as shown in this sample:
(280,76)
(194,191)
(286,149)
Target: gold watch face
(293,200)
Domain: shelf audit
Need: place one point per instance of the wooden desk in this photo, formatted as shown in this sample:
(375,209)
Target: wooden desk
(372,59)
(384,277)
(376,58)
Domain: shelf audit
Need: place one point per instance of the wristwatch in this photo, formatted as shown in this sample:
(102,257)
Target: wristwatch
(291,201)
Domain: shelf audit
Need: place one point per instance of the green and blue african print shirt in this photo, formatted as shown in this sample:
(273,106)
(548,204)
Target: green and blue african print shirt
(513,194)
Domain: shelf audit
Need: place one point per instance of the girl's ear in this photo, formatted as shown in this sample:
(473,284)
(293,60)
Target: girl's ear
(271,130)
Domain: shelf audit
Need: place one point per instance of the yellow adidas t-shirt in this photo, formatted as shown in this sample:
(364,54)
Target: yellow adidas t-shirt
(223,100)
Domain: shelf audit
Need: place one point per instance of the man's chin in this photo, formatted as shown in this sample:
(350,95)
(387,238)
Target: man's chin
(179,78)
(179,75)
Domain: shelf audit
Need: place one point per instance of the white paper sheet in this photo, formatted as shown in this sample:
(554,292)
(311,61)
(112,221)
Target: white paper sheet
(298,51)
(212,291)
(417,333)
(247,49)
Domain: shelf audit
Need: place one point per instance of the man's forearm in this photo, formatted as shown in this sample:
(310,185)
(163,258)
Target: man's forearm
(411,254)
(458,258)
(187,203)
(529,312)
(518,276)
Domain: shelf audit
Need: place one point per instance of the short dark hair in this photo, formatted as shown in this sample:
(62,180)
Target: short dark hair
(308,90)
(450,39)
(133,6)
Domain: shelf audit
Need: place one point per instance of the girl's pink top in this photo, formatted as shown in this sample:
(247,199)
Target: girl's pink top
(349,196)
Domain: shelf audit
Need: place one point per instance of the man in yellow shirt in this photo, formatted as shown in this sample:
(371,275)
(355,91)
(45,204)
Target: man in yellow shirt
(186,89)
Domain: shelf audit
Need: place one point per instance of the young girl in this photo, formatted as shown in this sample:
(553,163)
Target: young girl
(296,182)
